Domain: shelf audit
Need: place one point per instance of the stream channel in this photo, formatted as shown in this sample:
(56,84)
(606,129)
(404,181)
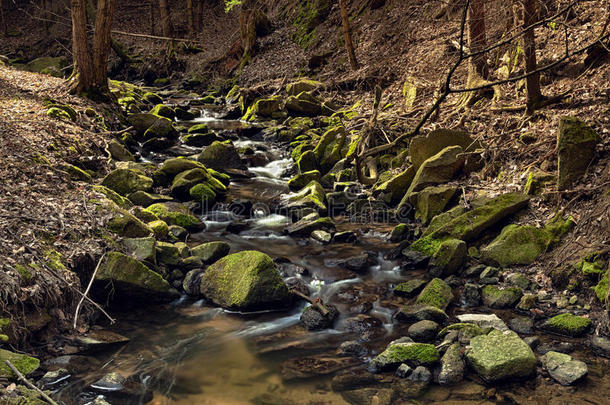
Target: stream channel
(188,352)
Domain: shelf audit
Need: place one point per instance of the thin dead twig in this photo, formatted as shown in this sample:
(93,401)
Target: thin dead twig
(28,383)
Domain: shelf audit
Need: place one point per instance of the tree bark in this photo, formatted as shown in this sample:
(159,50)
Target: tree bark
(83,61)
(247,29)
(199,20)
(190,17)
(166,21)
(532,82)
(477,40)
(4,26)
(101,43)
(151,16)
(347,35)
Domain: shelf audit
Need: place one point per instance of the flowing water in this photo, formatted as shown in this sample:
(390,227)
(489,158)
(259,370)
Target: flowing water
(191,353)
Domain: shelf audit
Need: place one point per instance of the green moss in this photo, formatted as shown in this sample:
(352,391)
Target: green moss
(177,216)
(469,329)
(199,129)
(54,260)
(121,268)
(437,294)
(160,228)
(202,192)
(601,290)
(126,181)
(78,174)
(153,98)
(413,354)
(24,363)
(163,110)
(24,272)
(568,324)
(58,113)
(116,198)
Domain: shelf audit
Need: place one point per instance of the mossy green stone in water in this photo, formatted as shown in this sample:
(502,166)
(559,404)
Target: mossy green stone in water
(199,129)
(163,111)
(437,293)
(202,193)
(501,355)
(22,362)
(126,181)
(413,354)
(501,298)
(173,166)
(176,214)
(409,288)
(567,324)
(125,224)
(245,280)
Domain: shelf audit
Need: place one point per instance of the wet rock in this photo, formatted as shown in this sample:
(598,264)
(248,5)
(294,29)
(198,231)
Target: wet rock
(448,258)
(22,362)
(52,379)
(600,345)
(527,302)
(313,366)
(576,144)
(532,341)
(563,368)
(130,280)
(414,260)
(200,140)
(110,382)
(192,282)
(351,379)
(126,181)
(187,264)
(345,237)
(366,396)
(253,279)
(98,340)
(420,374)
(308,224)
(403,371)
(423,331)
(495,297)
(501,355)
(321,236)
(567,324)
(118,388)
(365,325)
(211,252)
(522,325)
(221,156)
(415,313)
(436,293)
(412,354)
(561,347)
(409,288)
(471,296)
(484,321)
(358,263)
(452,366)
(352,348)
(312,318)
(400,233)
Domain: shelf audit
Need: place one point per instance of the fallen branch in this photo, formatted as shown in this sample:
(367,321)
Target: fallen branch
(29,384)
(80,303)
(316,304)
(131,34)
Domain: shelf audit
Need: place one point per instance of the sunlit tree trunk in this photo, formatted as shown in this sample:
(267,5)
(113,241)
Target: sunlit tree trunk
(532,82)
(477,40)
(83,60)
(347,35)
(101,43)
(166,22)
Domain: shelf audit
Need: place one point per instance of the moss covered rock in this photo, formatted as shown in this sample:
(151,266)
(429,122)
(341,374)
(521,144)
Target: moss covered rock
(409,288)
(422,148)
(311,196)
(264,107)
(144,199)
(221,156)
(412,354)
(245,281)
(76,173)
(200,140)
(307,225)
(48,65)
(125,224)
(126,181)
(58,113)
(302,85)
(328,150)
(394,189)
(431,201)
(163,110)
(470,224)
(304,104)
(211,251)
(141,122)
(449,258)
(437,293)
(202,193)
(159,228)
(501,355)
(302,180)
(113,196)
(177,214)
(119,152)
(567,324)
(437,169)
(171,167)
(186,180)
(22,362)
(162,128)
(307,162)
(576,144)
(125,278)
(495,297)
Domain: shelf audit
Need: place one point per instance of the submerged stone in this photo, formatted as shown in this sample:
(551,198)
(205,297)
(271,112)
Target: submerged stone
(567,324)
(563,368)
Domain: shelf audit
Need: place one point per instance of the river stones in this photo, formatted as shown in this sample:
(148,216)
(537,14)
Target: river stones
(221,156)
(409,288)
(142,249)
(22,362)
(129,280)
(303,179)
(484,321)
(126,181)
(423,331)
(412,354)
(436,293)
(495,297)
(415,313)
(302,85)
(501,355)
(98,340)
(312,318)
(310,223)
(449,258)
(563,368)
(437,169)
(567,324)
(119,152)
(211,251)
(246,280)
(452,366)
(328,150)
(177,214)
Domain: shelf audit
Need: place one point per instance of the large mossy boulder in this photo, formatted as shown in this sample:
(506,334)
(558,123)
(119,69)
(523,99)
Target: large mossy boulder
(185,181)
(328,150)
(438,169)
(126,279)
(221,156)
(162,128)
(303,179)
(410,353)
(141,122)
(393,190)
(171,167)
(48,65)
(431,201)
(246,280)
(125,224)
(501,355)
(449,258)
(422,148)
(22,362)
(163,110)
(576,144)
(119,152)
(126,181)
(303,104)
(436,293)
(177,214)
(311,197)
(469,225)
(264,108)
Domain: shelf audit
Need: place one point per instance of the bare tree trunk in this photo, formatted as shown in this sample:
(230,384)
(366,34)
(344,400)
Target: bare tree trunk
(101,43)
(45,16)
(247,29)
(166,21)
(4,26)
(532,82)
(190,17)
(347,34)
(477,40)
(151,16)
(83,61)
(199,23)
